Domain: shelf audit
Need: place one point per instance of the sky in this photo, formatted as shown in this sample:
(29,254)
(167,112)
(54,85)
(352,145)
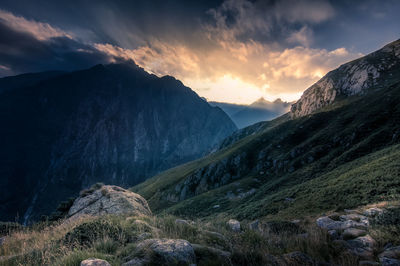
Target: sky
(229,51)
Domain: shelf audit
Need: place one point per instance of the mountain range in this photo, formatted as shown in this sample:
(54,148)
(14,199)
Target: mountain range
(260,110)
(337,148)
(116,123)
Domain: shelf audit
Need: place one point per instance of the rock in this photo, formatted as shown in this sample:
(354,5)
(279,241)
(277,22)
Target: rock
(255,225)
(391,252)
(95,262)
(234,225)
(363,241)
(355,217)
(368,263)
(2,240)
(164,252)
(351,233)
(182,222)
(216,206)
(296,221)
(333,234)
(389,261)
(298,258)
(371,212)
(330,224)
(109,200)
(218,256)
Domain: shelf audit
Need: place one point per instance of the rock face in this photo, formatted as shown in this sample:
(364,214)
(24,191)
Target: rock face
(164,252)
(352,78)
(95,262)
(115,124)
(109,200)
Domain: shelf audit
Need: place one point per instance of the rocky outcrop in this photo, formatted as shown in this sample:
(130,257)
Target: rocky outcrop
(234,225)
(109,200)
(355,77)
(95,262)
(163,252)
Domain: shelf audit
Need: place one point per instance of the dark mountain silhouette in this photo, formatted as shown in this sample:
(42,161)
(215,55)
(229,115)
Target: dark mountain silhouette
(111,123)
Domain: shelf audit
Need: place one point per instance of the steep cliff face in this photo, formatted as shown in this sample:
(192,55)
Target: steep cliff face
(373,71)
(115,124)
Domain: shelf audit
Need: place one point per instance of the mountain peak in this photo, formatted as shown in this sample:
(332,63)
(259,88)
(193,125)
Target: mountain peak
(373,71)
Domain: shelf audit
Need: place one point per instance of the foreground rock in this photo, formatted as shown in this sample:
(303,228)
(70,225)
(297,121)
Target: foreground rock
(163,252)
(296,258)
(109,200)
(234,225)
(95,262)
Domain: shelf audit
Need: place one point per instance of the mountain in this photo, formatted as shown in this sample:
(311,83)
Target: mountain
(25,80)
(111,123)
(260,110)
(337,154)
(374,71)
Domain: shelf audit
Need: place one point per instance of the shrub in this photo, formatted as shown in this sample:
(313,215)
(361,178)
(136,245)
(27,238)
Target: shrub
(7,228)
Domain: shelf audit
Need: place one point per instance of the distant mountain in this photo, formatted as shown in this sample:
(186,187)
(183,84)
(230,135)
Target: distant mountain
(330,153)
(374,71)
(116,124)
(260,110)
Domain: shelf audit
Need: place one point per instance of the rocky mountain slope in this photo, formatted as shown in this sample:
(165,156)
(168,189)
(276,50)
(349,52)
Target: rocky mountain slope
(374,71)
(342,156)
(111,123)
(260,110)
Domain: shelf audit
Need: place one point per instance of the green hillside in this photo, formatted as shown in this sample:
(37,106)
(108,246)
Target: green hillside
(341,157)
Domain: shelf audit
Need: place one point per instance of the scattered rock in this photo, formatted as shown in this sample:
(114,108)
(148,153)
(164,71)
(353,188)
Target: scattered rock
(296,221)
(371,212)
(368,263)
(255,225)
(351,233)
(95,262)
(234,225)
(216,206)
(109,200)
(182,222)
(391,252)
(289,200)
(163,252)
(329,224)
(2,240)
(389,261)
(363,241)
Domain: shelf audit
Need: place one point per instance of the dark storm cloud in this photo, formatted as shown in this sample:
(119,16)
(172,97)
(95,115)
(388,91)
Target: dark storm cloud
(23,52)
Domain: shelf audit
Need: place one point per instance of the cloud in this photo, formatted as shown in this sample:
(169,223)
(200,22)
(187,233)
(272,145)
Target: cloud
(41,31)
(238,69)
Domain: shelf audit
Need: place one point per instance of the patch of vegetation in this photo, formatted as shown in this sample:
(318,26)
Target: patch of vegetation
(93,188)
(7,228)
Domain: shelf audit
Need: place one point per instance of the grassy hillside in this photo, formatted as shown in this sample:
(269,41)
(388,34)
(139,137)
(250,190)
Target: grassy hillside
(343,156)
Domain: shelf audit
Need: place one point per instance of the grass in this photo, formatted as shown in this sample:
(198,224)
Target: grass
(47,245)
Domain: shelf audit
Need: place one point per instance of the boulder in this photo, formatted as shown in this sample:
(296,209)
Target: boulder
(363,241)
(351,233)
(109,200)
(329,224)
(371,212)
(391,252)
(163,252)
(95,262)
(389,261)
(234,225)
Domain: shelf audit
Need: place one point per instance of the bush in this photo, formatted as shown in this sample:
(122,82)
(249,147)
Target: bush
(90,232)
